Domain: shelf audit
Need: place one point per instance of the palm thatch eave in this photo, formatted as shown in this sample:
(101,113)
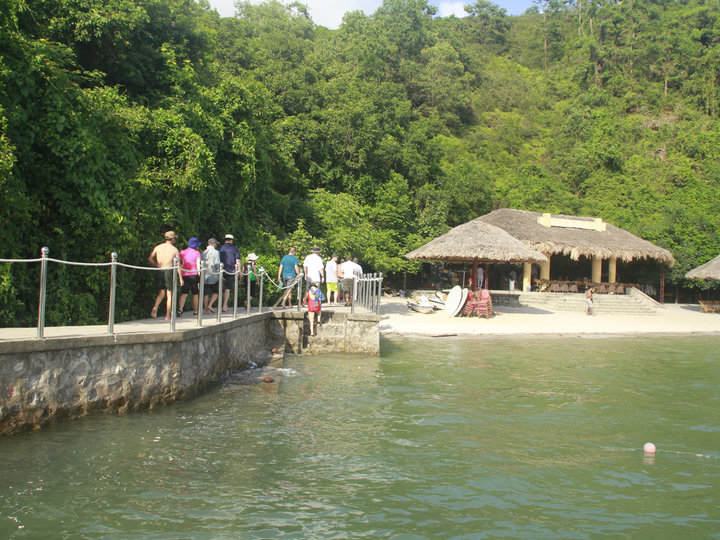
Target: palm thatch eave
(576,242)
(476,241)
(709,270)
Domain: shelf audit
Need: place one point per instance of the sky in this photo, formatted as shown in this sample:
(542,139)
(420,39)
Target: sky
(329,13)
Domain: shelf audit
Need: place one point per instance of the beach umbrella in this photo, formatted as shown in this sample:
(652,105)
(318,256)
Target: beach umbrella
(477,242)
(709,270)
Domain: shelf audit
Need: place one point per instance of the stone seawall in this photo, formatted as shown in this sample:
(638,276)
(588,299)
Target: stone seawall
(44,381)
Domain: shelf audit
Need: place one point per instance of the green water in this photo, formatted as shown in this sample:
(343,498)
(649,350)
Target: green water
(440,437)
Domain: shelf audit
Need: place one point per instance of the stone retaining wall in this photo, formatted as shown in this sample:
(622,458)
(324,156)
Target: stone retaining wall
(43,381)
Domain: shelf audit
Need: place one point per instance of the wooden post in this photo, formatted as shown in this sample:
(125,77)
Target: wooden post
(473,276)
(662,283)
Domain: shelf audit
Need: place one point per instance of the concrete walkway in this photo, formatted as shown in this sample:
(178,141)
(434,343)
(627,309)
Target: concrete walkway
(144,326)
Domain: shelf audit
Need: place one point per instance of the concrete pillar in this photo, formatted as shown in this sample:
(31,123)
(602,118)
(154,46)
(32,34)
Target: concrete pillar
(612,270)
(527,277)
(596,270)
(545,269)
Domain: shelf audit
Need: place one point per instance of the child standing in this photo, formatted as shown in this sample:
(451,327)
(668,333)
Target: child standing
(313,300)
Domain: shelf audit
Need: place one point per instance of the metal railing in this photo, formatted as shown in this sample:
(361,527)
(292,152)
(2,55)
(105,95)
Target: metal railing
(368,289)
(366,294)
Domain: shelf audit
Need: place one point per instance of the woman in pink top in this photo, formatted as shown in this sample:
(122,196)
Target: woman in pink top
(190,268)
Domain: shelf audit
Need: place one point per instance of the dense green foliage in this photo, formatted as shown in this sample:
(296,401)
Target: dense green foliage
(121,119)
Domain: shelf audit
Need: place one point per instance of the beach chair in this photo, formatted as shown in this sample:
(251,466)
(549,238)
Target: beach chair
(709,306)
(554,287)
(564,287)
(485,304)
(573,287)
(472,305)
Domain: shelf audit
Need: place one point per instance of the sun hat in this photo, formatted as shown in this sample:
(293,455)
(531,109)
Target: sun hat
(212,240)
(252,257)
(229,237)
(316,249)
(169,235)
(194,242)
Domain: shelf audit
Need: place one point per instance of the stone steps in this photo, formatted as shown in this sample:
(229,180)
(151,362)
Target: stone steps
(615,304)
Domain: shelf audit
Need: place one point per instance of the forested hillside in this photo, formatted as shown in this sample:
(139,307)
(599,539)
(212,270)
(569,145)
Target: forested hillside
(120,119)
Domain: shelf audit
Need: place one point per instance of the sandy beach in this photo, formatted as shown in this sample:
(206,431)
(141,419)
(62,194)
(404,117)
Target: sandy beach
(397,319)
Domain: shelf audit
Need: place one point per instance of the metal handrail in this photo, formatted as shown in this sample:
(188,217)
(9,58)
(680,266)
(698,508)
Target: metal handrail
(367,287)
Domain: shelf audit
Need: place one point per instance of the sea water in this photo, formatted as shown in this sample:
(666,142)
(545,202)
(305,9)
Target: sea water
(439,437)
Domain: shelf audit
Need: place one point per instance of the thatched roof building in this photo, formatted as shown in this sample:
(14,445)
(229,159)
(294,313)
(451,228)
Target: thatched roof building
(709,270)
(575,236)
(477,242)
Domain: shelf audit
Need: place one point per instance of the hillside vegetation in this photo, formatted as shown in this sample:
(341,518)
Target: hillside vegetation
(120,119)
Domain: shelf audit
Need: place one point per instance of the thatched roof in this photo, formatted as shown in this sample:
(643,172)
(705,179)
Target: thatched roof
(709,270)
(575,236)
(476,241)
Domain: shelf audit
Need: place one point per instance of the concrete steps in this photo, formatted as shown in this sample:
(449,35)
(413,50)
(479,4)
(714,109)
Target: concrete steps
(634,303)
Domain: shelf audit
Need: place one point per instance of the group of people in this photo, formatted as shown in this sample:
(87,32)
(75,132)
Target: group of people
(163,256)
(338,277)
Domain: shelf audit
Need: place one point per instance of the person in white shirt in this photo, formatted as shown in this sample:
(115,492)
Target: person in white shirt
(314,269)
(352,271)
(331,278)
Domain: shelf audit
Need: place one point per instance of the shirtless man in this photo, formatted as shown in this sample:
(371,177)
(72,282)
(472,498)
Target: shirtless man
(162,257)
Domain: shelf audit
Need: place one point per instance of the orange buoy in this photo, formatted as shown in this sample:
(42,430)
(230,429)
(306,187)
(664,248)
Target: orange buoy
(268,379)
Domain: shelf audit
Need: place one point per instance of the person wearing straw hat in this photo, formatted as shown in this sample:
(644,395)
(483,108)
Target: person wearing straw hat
(162,256)
(190,259)
(211,257)
(250,267)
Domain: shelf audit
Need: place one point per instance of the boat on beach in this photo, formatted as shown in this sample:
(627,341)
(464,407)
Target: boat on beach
(421,308)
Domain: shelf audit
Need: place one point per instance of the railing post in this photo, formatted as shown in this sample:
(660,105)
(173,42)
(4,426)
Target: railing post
(44,252)
(113,282)
(377,309)
(247,296)
(260,297)
(221,283)
(354,294)
(235,295)
(173,315)
(201,294)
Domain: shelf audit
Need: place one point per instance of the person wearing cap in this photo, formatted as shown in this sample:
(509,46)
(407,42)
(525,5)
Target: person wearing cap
(211,258)
(314,270)
(229,257)
(331,278)
(162,256)
(250,267)
(190,259)
(289,269)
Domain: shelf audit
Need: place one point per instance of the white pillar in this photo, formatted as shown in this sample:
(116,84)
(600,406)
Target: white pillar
(527,277)
(612,270)
(596,269)
(545,269)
